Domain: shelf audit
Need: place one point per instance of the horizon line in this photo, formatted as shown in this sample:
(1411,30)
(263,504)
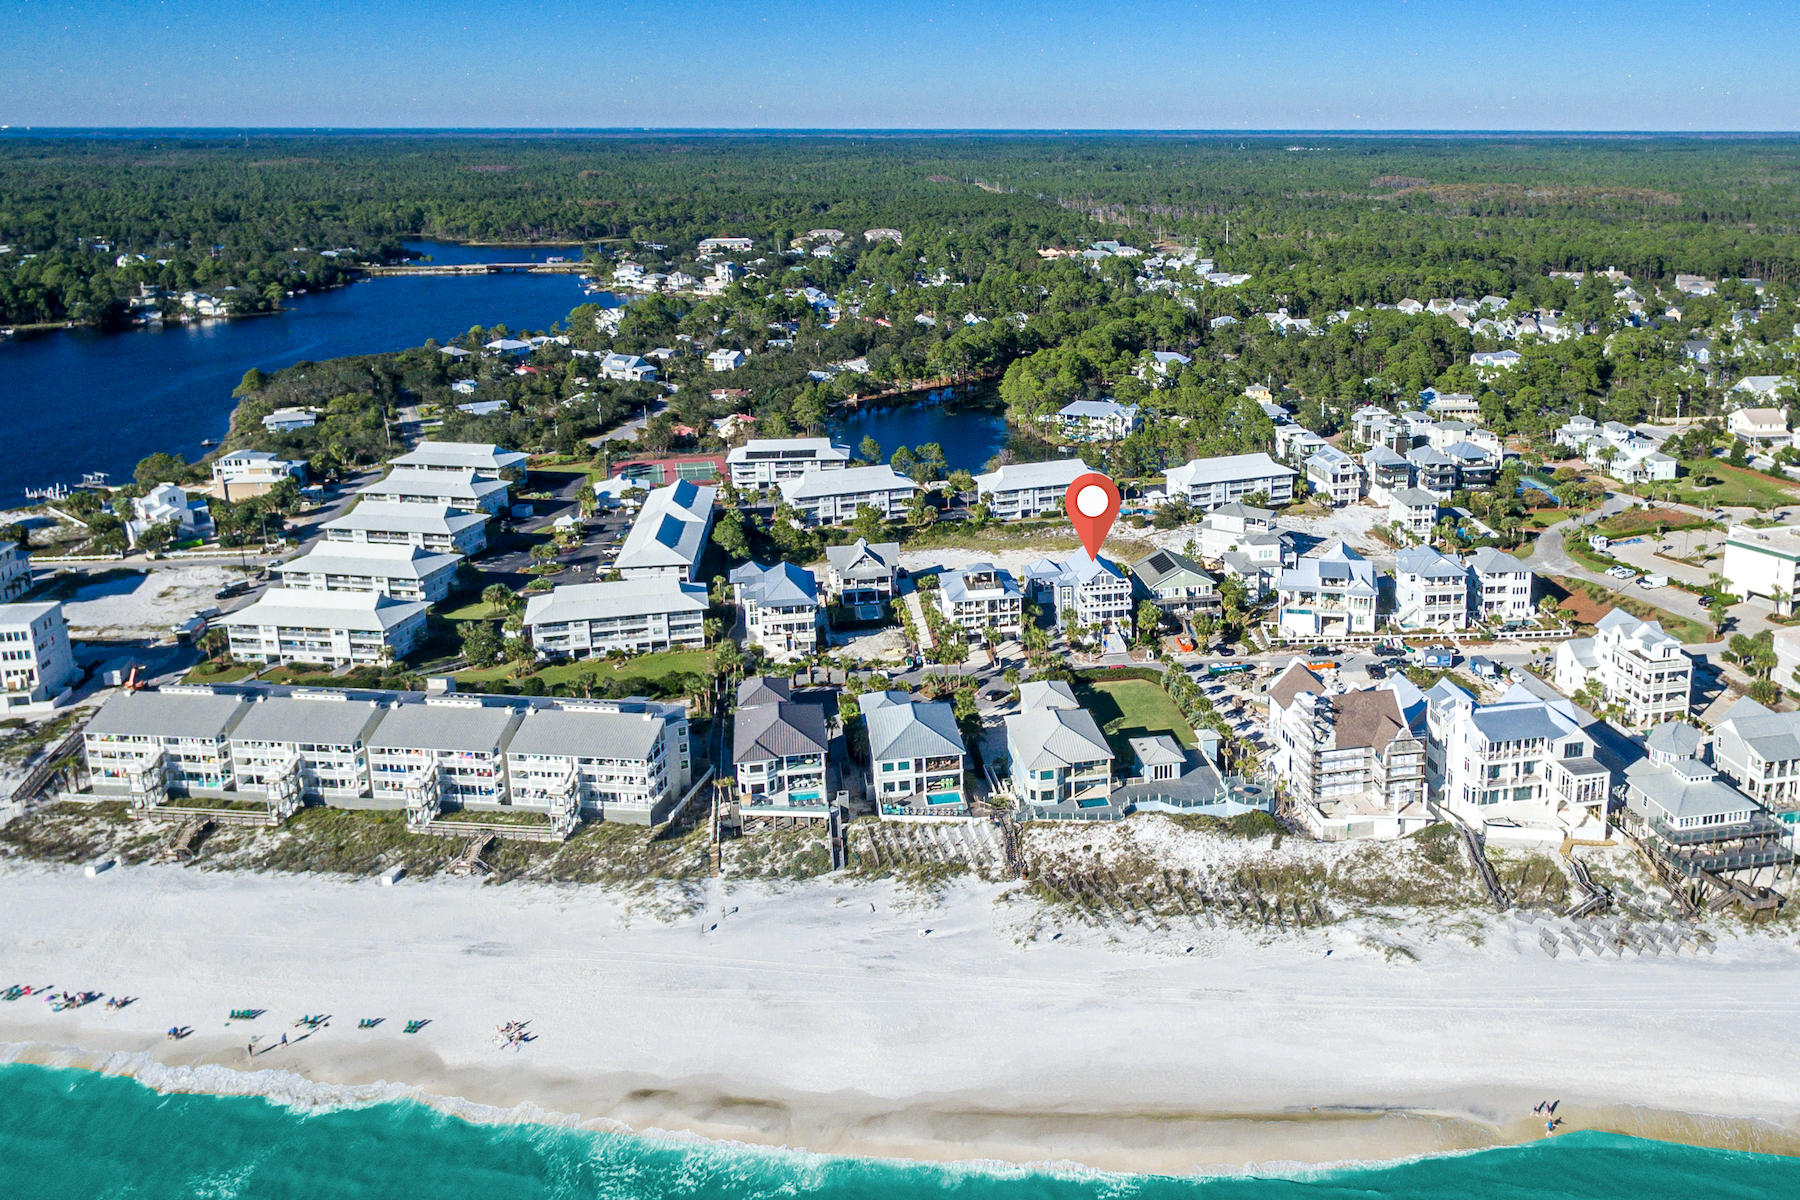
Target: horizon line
(887,131)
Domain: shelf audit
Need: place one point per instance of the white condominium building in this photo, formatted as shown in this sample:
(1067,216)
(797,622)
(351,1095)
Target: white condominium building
(637,616)
(152,744)
(764,462)
(1028,489)
(435,527)
(308,744)
(833,497)
(482,458)
(627,761)
(669,534)
(338,629)
(445,750)
(1207,483)
(462,490)
(401,571)
(1634,664)
(36,662)
(1764,562)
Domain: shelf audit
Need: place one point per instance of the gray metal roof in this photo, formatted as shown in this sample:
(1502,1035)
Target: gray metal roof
(863,559)
(956,586)
(286,607)
(473,728)
(384,560)
(1042,738)
(322,718)
(385,516)
(1684,789)
(587,733)
(616,598)
(1157,568)
(912,729)
(484,457)
(454,485)
(1020,476)
(169,714)
(763,689)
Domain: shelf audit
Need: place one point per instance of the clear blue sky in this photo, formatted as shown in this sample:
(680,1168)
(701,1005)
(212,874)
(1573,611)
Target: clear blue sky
(1023,64)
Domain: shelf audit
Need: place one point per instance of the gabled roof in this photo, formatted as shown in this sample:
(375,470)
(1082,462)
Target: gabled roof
(1412,497)
(1046,693)
(863,557)
(169,714)
(1158,750)
(957,587)
(450,485)
(618,598)
(484,457)
(362,611)
(575,731)
(471,728)
(1226,469)
(1486,560)
(384,559)
(1371,718)
(393,516)
(1163,566)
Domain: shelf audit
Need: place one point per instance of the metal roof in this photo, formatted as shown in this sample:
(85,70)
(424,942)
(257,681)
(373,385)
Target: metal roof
(321,718)
(168,714)
(912,729)
(588,733)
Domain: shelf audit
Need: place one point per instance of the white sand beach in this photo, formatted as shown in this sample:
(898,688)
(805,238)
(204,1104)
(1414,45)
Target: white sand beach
(863,1019)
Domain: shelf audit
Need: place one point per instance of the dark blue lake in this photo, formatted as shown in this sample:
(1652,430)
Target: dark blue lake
(83,401)
(971,428)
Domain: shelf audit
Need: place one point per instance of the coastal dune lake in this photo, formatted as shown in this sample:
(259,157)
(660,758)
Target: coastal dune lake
(85,401)
(75,1134)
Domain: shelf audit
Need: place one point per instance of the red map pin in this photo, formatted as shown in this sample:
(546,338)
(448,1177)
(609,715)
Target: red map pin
(1093,505)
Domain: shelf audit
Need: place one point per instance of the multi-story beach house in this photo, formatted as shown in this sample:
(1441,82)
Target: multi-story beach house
(1334,476)
(244,473)
(401,571)
(1328,596)
(1176,583)
(1430,590)
(166,504)
(151,745)
(338,629)
(37,664)
(463,490)
(1680,810)
(1500,587)
(627,761)
(1634,664)
(15,571)
(780,603)
(1093,589)
(638,616)
(1057,752)
(981,595)
(1353,762)
(435,527)
(1414,510)
(1522,762)
(862,576)
(669,534)
(780,752)
(1387,471)
(833,497)
(1028,489)
(1207,483)
(311,744)
(1237,528)
(1758,749)
(1433,471)
(484,459)
(916,756)
(765,462)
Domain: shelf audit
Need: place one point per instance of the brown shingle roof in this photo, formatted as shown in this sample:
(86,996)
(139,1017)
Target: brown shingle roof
(1371,718)
(1293,681)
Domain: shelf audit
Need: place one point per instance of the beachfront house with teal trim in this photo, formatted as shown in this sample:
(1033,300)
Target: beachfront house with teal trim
(1057,752)
(780,749)
(916,757)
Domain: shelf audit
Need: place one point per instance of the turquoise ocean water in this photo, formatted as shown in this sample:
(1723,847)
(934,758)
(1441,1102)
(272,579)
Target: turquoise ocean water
(76,1134)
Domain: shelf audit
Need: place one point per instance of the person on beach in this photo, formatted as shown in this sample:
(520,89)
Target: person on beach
(284,1039)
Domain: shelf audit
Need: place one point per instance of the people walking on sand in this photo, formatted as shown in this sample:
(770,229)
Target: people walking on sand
(284,1039)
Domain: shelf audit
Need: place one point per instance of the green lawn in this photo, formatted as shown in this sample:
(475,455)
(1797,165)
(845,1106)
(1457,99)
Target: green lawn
(1128,708)
(1739,486)
(207,672)
(473,609)
(646,667)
